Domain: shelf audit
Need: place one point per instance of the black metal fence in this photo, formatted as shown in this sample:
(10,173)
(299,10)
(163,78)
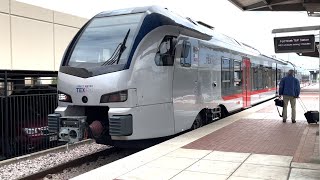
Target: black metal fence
(26,99)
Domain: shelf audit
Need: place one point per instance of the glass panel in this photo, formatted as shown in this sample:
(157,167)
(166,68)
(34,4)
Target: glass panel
(237,80)
(187,60)
(186,54)
(166,52)
(102,38)
(227,76)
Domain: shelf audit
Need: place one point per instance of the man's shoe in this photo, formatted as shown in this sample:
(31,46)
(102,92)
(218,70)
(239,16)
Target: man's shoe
(284,120)
(293,121)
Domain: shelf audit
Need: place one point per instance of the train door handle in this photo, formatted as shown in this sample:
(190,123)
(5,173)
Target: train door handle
(214,84)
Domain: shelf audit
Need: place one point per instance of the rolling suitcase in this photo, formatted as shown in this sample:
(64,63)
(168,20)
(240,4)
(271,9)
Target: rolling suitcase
(311,116)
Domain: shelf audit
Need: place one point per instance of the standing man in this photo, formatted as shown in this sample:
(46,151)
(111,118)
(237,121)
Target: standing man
(290,90)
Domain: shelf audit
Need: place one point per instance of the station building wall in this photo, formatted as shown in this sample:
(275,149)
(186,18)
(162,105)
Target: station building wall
(34,38)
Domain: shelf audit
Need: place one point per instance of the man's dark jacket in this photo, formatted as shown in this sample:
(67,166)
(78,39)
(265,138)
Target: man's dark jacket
(289,86)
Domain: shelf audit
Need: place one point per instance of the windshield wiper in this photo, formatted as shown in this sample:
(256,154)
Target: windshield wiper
(118,52)
(112,59)
(123,45)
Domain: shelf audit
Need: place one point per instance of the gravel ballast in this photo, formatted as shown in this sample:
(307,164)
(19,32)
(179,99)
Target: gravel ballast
(73,172)
(26,167)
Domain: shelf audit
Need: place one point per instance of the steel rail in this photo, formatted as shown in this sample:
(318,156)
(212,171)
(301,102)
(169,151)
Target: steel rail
(73,163)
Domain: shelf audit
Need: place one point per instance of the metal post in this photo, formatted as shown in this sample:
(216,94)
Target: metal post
(6,120)
(319,90)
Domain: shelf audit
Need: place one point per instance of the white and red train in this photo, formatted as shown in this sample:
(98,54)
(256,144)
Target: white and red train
(144,73)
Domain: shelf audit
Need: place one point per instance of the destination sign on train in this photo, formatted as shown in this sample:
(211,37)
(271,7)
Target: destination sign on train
(297,44)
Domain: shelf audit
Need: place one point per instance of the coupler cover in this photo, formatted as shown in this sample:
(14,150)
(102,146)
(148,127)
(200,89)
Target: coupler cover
(120,125)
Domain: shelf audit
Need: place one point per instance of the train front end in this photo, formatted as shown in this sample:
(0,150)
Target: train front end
(94,89)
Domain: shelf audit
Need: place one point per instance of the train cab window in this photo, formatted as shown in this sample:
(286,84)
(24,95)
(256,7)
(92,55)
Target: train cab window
(186,54)
(166,52)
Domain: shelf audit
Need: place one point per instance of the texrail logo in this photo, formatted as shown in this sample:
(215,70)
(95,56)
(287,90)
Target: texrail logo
(84,88)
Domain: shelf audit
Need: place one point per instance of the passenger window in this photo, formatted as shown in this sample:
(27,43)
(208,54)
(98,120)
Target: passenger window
(227,76)
(237,74)
(267,77)
(166,52)
(254,76)
(185,60)
(226,70)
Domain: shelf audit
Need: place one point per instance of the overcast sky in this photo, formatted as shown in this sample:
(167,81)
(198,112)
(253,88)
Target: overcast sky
(253,28)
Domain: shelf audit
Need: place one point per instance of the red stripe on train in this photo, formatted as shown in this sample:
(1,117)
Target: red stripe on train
(235,96)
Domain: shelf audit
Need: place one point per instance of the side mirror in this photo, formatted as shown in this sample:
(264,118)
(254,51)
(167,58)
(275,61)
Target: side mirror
(185,49)
(185,59)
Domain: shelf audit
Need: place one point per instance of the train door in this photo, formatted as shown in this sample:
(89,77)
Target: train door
(185,85)
(246,93)
(208,76)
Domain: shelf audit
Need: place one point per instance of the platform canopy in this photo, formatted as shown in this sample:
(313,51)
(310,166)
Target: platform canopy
(311,6)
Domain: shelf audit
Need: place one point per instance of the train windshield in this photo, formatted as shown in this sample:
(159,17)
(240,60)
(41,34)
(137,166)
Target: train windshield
(105,42)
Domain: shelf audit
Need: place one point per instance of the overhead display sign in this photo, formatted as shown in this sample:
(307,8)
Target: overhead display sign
(297,44)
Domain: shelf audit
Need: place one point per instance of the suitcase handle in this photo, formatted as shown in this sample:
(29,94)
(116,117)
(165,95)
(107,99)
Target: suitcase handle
(302,105)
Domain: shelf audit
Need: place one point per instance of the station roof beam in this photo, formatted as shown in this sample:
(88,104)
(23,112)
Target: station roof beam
(312,7)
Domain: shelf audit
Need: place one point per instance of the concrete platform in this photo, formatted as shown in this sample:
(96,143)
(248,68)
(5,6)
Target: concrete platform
(252,144)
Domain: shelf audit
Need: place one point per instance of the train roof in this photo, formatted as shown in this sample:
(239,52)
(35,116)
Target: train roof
(187,23)
(203,30)
(276,59)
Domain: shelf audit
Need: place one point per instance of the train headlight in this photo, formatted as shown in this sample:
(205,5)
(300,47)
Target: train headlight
(64,97)
(120,96)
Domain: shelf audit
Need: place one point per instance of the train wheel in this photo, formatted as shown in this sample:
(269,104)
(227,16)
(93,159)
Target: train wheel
(224,112)
(197,122)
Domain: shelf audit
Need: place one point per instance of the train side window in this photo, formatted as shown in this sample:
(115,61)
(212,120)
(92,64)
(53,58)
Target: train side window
(260,80)
(254,76)
(225,70)
(185,59)
(237,73)
(279,76)
(267,77)
(227,76)
(166,52)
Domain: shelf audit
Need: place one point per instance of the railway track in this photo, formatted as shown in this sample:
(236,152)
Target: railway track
(73,163)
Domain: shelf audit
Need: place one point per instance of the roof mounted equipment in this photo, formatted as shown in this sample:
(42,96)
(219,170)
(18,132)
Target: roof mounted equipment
(204,24)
